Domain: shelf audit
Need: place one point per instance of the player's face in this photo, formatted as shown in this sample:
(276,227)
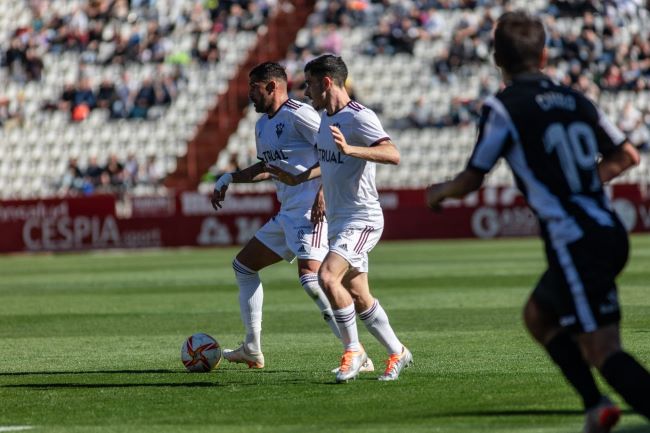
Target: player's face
(314,91)
(258,94)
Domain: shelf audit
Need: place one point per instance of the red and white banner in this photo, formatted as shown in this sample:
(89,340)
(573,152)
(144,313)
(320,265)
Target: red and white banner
(71,224)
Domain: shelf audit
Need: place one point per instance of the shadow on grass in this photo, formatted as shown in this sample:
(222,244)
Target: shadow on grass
(522,412)
(634,429)
(536,412)
(46,373)
(64,373)
(226,377)
(46,386)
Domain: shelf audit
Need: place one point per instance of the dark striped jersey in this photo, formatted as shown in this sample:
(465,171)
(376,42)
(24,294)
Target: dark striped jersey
(552,138)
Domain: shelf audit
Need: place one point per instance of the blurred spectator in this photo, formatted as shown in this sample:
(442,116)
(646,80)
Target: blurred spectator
(631,122)
(11,115)
(106,94)
(93,171)
(84,100)
(421,114)
(115,170)
(131,169)
(66,102)
(72,182)
(151,173)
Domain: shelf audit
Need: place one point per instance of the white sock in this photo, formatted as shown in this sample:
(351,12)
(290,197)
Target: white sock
(376,321)
(347,321)
(251,297)
(313,289)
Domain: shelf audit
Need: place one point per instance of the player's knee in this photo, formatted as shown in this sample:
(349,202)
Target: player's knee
(243,272)
(537,322)
(597,352)
(326,279)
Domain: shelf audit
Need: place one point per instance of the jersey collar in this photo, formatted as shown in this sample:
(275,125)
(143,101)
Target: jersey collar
(527,77)
(278,110)
(330,115)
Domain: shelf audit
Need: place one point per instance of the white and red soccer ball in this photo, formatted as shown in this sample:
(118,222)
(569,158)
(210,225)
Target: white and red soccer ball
(200,353)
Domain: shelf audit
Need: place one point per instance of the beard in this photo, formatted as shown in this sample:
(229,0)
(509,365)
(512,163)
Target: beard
(259,107)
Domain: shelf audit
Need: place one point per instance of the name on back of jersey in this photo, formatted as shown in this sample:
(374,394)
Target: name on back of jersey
(550,100)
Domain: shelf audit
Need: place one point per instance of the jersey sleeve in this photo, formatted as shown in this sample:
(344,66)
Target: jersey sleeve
(369,131)
(258,151)
(494,134)
(307,122)
(609,137)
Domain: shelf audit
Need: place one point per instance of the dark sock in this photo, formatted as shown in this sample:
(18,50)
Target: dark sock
(630,380)
(565,353)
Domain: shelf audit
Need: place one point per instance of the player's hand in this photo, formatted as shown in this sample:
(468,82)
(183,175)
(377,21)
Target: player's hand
(339,140)
(434,196)
(283,176)
(318,209)
(217,197)
(220,188)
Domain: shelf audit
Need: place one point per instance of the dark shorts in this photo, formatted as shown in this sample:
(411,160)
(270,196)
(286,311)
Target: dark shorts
(579,286)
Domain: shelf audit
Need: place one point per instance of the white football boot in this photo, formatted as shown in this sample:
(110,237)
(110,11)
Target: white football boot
(241,355)
(367,367)
(396,363)
(602,418)
(351,363)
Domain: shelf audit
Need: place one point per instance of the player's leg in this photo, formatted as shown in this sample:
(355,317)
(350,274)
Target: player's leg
(330,275)
(562,348)
(598,261)
(308,270)
(375,319)
(602,348)
(251,259)
(309,243)
(308,274)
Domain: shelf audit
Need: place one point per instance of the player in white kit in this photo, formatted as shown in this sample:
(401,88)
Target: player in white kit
(285,137)
(350,141)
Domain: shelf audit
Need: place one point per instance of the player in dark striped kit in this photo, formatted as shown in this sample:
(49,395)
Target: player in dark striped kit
(561,148)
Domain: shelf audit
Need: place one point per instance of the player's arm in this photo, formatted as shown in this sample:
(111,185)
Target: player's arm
(384,152)
(290,179)
(254,173)
(615,163)
(466,181)
(494,134)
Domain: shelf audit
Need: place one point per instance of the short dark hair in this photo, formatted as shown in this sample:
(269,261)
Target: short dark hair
(519,40)
(267,71)
(330,66)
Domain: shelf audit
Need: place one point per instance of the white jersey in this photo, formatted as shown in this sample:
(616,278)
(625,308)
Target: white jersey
(349,182)
(287,140)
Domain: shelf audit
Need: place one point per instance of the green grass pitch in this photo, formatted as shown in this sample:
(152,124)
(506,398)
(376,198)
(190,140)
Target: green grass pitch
(90,343)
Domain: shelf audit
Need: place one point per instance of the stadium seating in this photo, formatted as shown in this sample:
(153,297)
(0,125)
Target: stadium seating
(431,154)
(36,152)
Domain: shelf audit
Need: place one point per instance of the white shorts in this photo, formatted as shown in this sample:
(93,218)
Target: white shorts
(354,242)
(293,235)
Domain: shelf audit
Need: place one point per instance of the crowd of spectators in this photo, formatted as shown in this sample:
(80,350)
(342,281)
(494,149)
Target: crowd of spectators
(119,32)
(598,52)
(123,31)
(112,177)
(596,48)
(123,98)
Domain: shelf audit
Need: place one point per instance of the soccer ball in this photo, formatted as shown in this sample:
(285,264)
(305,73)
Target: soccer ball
(200,353)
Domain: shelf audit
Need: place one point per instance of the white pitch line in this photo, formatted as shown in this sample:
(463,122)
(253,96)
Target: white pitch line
(4,428)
